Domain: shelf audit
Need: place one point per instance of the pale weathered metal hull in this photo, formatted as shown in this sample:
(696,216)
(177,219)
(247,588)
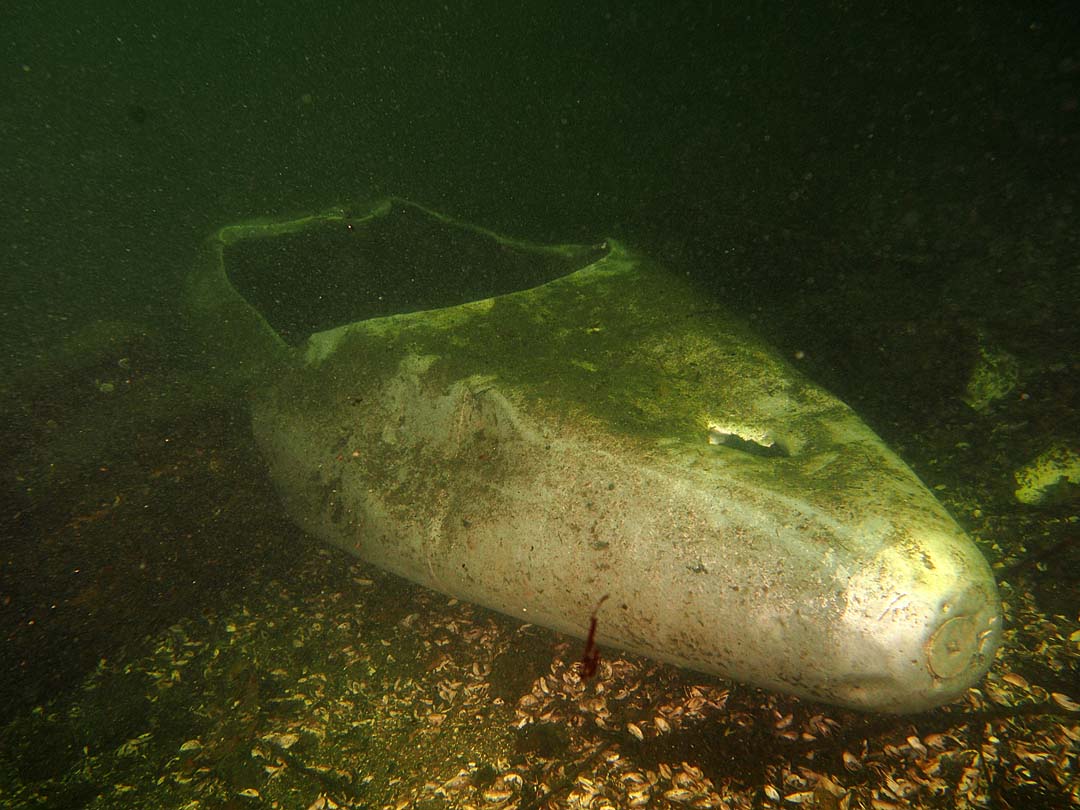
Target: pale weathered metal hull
(610,432)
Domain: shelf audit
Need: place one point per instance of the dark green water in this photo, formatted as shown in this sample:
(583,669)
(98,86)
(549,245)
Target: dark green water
(130,132)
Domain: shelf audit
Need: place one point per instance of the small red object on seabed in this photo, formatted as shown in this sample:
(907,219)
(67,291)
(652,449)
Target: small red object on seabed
(590,659)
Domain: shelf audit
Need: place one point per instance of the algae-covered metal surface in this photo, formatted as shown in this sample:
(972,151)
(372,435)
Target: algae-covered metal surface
(605,431)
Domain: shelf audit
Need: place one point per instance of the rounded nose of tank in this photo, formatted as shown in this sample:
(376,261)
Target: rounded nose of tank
(928,639)
(961,647)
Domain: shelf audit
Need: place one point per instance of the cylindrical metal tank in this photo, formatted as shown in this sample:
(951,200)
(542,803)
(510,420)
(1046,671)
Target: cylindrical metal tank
(603,429)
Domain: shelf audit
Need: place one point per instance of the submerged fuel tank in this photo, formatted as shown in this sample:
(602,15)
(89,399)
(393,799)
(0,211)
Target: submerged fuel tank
(531,427)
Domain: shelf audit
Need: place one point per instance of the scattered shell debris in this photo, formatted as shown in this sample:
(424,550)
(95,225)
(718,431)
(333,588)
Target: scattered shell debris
(384,695)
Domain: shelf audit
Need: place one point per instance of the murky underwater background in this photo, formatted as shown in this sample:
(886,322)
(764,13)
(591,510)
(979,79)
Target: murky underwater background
(890,196)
